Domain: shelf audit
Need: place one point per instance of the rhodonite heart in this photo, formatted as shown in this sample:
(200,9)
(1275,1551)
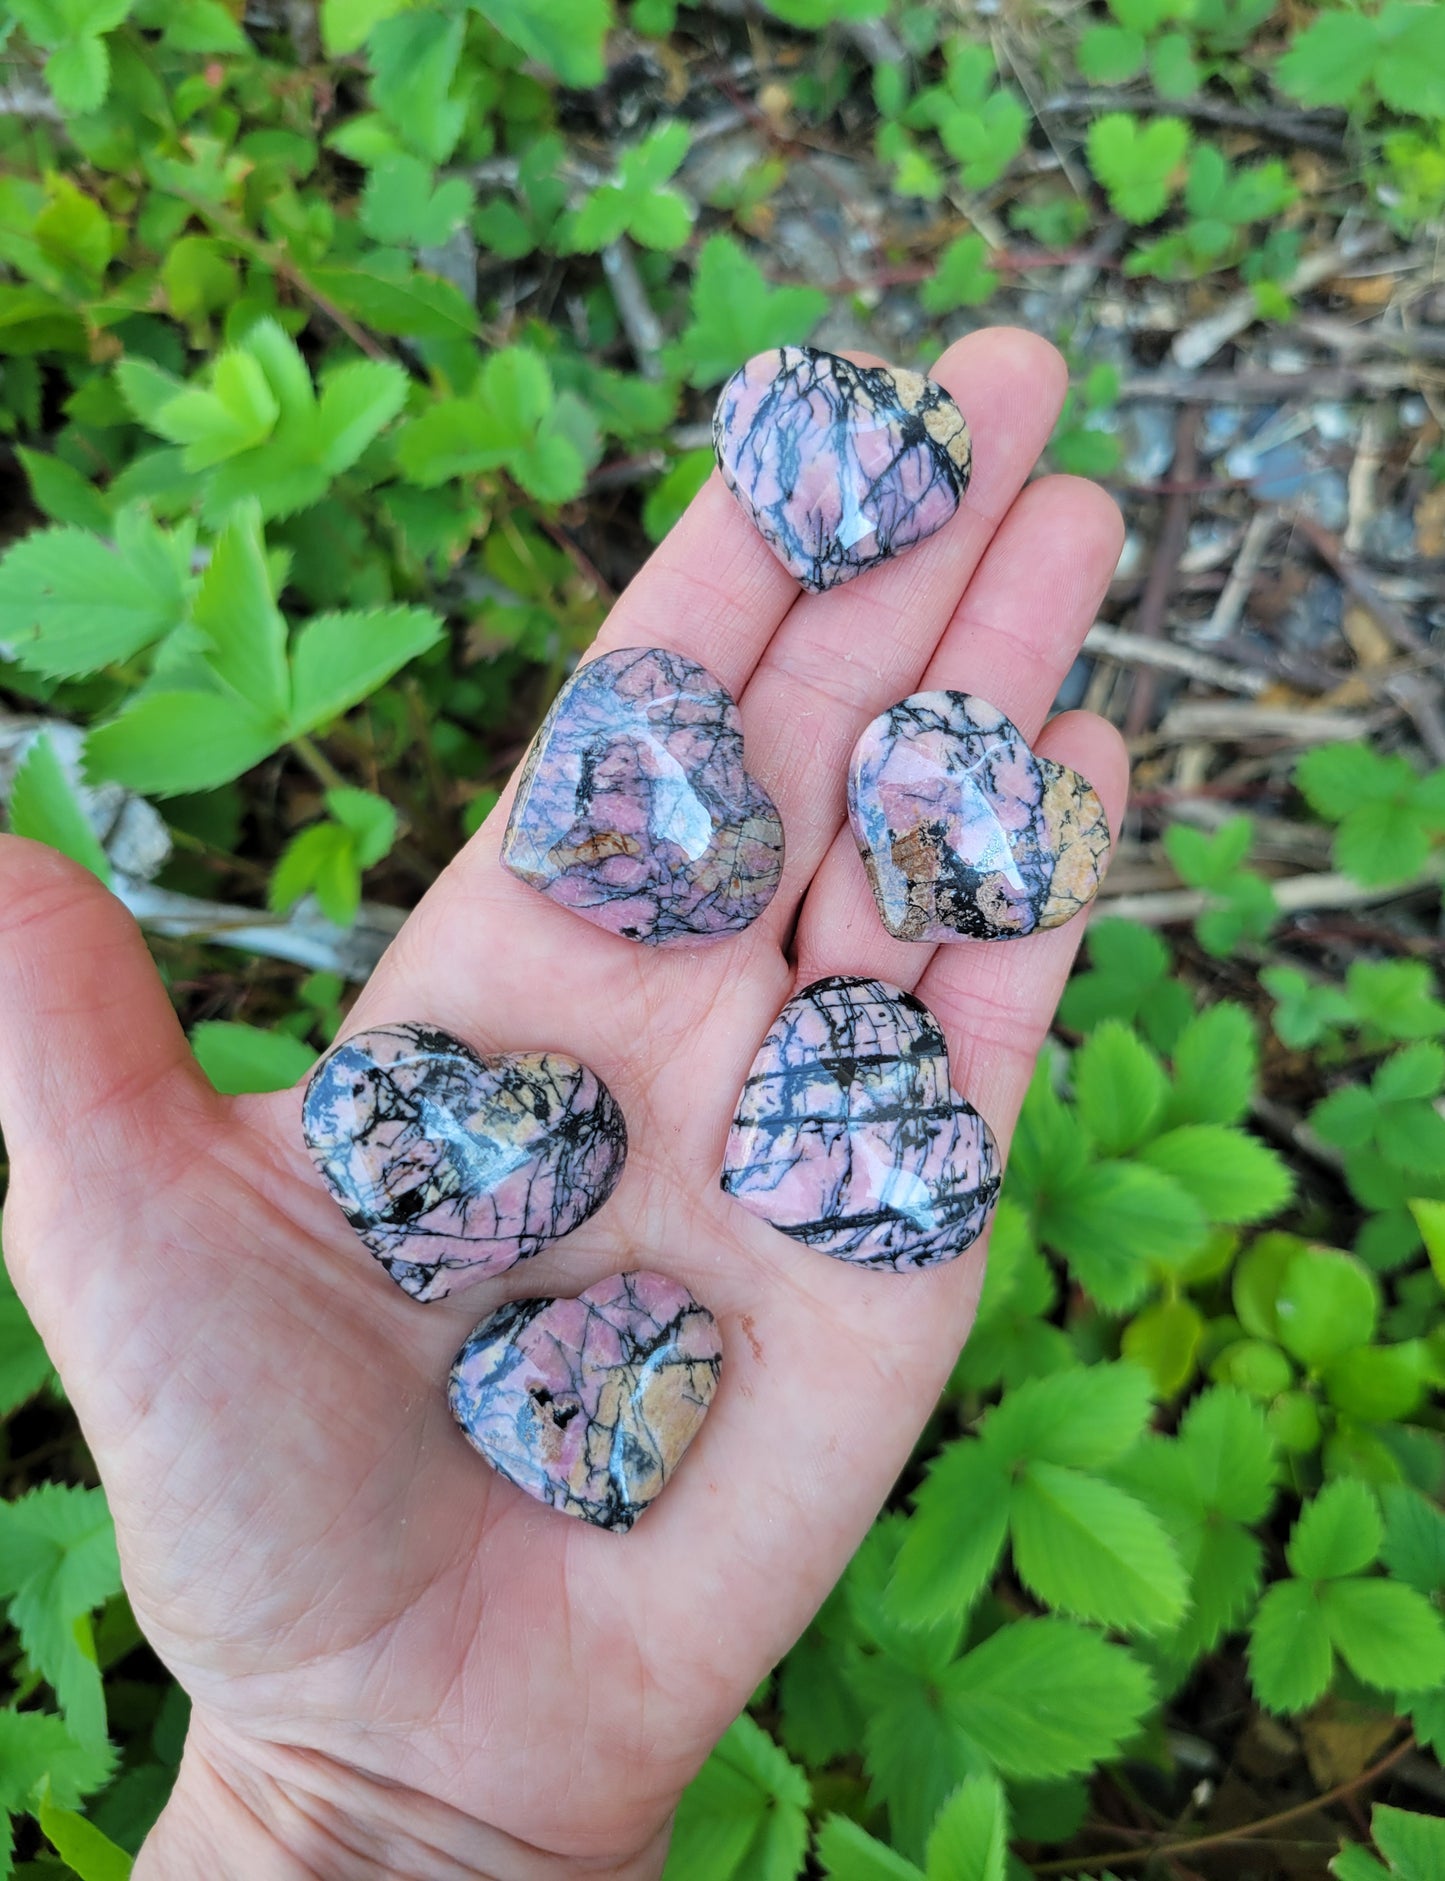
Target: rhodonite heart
(451,1166)
(634,809)
(849,1136)
(588,1404)
(839,466)
(965,834)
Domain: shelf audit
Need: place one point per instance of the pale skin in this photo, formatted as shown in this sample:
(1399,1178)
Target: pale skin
(400,1665)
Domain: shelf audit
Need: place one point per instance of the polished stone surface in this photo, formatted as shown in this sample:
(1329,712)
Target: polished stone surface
(451,1166)
(850,1137)
(839,466)
(634,808)
(588,1404)
(965,834)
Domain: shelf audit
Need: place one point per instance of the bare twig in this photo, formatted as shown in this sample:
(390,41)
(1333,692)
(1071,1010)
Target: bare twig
(1296,894)
(634,309)
(1164,569)
(1235,592)
(1203,340)
(1315,130)
(1116,643)
(1225,721)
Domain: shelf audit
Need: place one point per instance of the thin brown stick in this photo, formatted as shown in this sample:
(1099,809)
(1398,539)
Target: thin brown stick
(1120,1857)
(1164,569)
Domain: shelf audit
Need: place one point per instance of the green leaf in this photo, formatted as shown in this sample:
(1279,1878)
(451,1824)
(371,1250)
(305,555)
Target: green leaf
(1229,1450)
(1233,1177)
(243,1058)
(341,659)
(1413,1845)
(44,807)
(1108,55)
(1328,64)
(1430,1219)
(167,743)
(78,73)
(1290,1656)
(736,314)
(59,1562)
(849,1853)
(403,205)
(1083,1418)
(1381,843)
(411,306)
(1216,1067)
(235,610)
(915,1750)
(1327,1304)
(963,277)
(34,1746)
(24,1362)
(1164,1341)
(346,23)
(238,412)
(92,1854)
(370,819)
(1116,1222)
(1395,998)
(970,1838)
(1389,1636)
(1338,1533)
(70,605)
(1086,1548)
(62,493)
(358,401)
(1379,1384)
(1226,1571)
(567,36)
(1414,1549)
(1045,1697)
(744,1814)
(1119,1087)
(1137,164)
(953,1543)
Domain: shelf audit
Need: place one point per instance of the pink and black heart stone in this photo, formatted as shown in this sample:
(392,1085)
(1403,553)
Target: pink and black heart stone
(839,466)
(634,809)
(965,834)
(452,1167)
(850,1137)
(588,1404)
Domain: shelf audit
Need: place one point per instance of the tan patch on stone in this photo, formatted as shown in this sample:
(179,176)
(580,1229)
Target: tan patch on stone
(1077,830)
(946,426)
(599,848)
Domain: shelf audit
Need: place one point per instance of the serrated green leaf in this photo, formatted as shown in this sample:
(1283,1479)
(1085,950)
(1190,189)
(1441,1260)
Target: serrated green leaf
(34,1746)
(956,1536)
(340,659)
(1328,64)
(735,313)
(236,413)
(242,1058)
(1388,1635)
(1290,1656)
(970,1838)
(1119,1087)
(849,1853)
(1233,1177)
(1137,164)
(235,610)
(1414,1547)
(1108,55)
(24,1362)
(62,494)
(1089,1550)
(1353,1864)
(1045,1697)
(1338,1533)
(1228,1446)
(70,604)
(1083,1418)
(1216,1065)
(567,36)
(1226,1569)
(44,807)
(1414,1845)
(1116,1222)
(744,1813)
(358,401)
(167,743)
(83,1847)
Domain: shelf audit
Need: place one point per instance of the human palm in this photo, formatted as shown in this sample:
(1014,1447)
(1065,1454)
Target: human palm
(394,1655)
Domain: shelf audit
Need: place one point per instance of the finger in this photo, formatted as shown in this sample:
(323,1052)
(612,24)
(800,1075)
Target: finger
(90,1050)
(842,656)
(1011,640)
(713,590)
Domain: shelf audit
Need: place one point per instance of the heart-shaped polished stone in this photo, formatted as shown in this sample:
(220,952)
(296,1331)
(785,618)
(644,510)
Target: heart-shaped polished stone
(588,1404)
(451,1166)
(849,1136)
(965,834)
(839,466)
(634,809)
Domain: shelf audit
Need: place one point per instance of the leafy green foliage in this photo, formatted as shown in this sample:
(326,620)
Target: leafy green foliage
(328,859)
(1138,165)
(1243,904)
(44,807)
(1388,814)
(1394,58)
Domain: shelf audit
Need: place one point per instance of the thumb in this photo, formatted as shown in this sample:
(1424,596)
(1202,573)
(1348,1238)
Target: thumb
(90,1050)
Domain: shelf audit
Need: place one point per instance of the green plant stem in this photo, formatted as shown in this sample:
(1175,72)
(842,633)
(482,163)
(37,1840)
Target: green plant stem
(317,762)
(1119,1857)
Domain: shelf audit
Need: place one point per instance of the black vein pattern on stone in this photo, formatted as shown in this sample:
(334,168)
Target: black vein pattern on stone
(448,1163)
(839,466)
(850,1138)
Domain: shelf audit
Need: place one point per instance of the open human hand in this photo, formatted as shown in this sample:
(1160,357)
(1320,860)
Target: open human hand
(399,1664)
